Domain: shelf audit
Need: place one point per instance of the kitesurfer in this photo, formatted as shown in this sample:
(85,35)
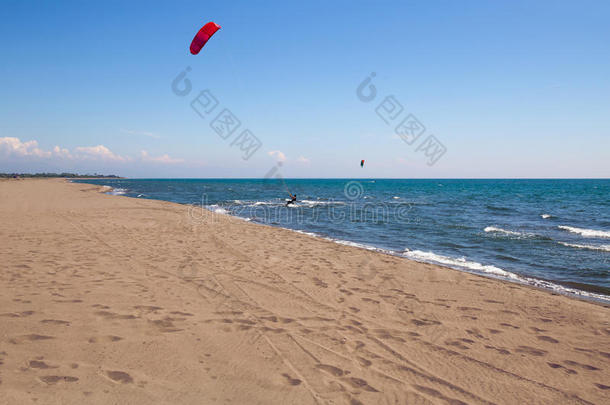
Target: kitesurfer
(292,200)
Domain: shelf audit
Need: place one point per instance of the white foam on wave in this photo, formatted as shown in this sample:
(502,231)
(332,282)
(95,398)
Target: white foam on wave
(545,216)
(311,203)
(217,209)
(304,232)
(396,198)
(565,290)
(354,244)
(501,231)
(346,242)
(118,191)
(242,218)
(460,262)
(470,266)
(361,246)
(587,233)
(603,248)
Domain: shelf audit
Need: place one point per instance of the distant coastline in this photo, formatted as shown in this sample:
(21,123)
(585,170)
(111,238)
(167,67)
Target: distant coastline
(58,175)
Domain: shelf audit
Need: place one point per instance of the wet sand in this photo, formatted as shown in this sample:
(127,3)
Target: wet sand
(108,299)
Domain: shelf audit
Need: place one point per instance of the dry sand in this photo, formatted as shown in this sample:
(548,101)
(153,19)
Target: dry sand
(107,299)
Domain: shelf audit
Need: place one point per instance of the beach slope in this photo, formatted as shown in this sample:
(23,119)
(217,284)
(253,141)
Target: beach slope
(108,299)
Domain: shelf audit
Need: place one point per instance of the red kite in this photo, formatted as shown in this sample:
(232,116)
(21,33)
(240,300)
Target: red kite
(202,36)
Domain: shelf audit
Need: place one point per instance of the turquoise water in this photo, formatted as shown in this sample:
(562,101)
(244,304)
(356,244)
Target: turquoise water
(551,233)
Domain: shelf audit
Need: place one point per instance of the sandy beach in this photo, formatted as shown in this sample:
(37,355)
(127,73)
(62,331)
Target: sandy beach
(108,299)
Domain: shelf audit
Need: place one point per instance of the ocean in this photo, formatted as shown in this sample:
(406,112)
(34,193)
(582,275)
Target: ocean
(553,234)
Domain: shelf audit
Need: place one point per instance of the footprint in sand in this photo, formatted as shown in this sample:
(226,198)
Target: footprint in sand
(55,322)
(583,366)
(181,313)
(39,364)
(547,339)
(17,314)
(364,362)
(360,383)
(366,299)
(29,338)
(291,381)
(75,301)
(531,351)
(353,381)
(498,349)
(559,366)
(320,283)
(120,377)
(109,338)
(54,379)
(148,308)
(165,325)
(476,333)
(385,334)
(456,343)
(112,315)
(335,371)
(425,322)
(469,309)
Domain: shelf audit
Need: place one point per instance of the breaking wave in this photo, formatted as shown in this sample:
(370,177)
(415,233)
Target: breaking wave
(587,233)
(603,248)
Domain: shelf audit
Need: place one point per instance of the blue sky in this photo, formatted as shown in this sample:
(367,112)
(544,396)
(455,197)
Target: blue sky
(510,89)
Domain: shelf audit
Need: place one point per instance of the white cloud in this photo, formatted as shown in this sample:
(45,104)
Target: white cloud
(62,152)
(303,159)
(144,133)
(159,159)
(278,155)
(14,147)
(99,152)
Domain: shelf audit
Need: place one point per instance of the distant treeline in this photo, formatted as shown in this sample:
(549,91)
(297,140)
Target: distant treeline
(22,175)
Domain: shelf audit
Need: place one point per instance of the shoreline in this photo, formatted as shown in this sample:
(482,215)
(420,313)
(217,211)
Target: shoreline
(594,295)
(110,299)
(587,292)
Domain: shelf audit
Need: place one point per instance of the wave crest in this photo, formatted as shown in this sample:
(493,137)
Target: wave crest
(460,262)
(503,231)
(603,248)
(587,233)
